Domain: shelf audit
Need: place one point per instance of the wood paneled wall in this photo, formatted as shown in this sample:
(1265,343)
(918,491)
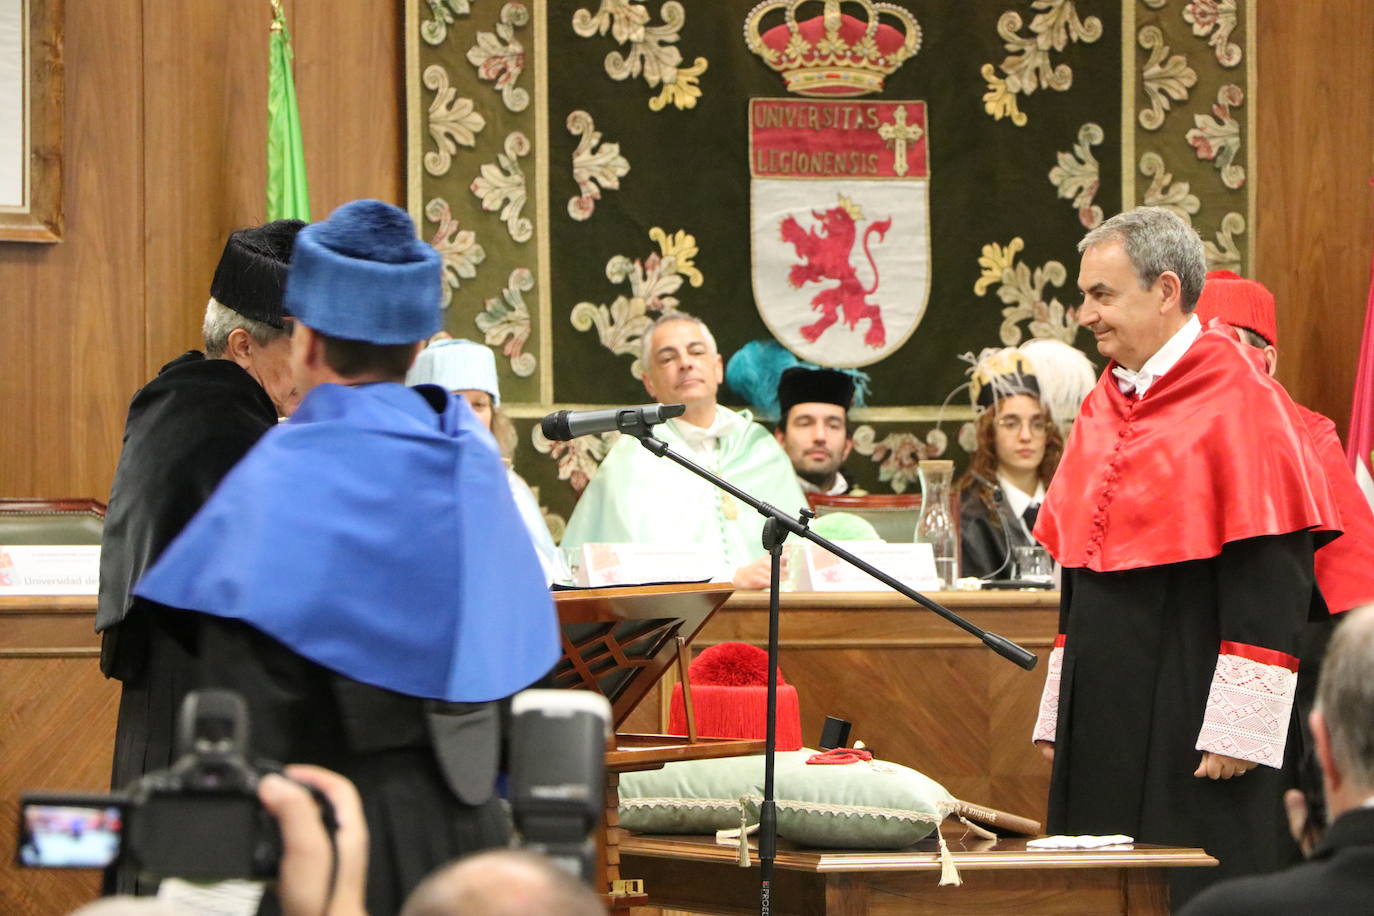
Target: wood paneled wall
(165,154)
(164,149)
(1315,205)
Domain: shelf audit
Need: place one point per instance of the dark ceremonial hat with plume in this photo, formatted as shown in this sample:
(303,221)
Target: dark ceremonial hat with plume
(363,275)
(251,273)
(756,369)
(998,374)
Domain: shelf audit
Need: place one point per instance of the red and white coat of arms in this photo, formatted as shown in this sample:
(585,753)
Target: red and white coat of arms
(840,225)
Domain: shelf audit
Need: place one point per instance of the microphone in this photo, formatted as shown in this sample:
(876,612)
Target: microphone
(563,425)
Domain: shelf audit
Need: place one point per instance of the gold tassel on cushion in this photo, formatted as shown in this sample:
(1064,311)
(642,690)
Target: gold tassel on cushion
(949,875)
(725,837)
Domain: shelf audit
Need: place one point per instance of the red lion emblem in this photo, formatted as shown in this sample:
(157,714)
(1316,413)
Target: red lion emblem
(826,256)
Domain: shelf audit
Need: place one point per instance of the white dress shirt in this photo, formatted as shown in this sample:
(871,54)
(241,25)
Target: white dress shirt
(1165,358)
(1018,499)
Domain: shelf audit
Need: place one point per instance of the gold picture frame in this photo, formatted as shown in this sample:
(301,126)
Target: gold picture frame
(34,213)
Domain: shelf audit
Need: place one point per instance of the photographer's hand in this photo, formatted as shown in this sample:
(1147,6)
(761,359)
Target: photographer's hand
(307,860)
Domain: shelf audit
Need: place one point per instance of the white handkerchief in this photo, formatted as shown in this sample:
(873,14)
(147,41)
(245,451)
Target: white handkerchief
(1079,842)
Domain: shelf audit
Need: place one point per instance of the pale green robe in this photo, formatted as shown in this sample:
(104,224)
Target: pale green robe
(637,497)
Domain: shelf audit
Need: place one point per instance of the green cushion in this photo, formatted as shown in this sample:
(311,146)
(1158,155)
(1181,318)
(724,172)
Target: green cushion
(691,796)
(873,805)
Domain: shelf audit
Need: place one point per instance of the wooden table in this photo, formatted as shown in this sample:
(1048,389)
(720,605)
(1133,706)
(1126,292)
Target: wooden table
(694,875)
(58,734)
(919,690)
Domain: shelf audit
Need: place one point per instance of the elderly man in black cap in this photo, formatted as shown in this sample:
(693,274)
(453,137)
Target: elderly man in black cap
(186,428)
(814,427)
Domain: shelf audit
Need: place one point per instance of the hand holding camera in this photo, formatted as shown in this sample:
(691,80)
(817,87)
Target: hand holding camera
(323,867)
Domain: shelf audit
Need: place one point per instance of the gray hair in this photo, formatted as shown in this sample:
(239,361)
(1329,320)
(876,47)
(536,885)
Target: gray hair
(1345,695)
(1156,240)
(647,340)
(221,321)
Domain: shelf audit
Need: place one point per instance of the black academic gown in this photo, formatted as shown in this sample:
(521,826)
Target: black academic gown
(986,545)
(1140,652)
(186,429)
(1339,878)
(426,770)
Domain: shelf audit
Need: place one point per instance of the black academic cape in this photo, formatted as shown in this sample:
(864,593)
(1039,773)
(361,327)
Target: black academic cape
(1134,689)
(1339,878)
(986,544)
(186,428)
(426,770)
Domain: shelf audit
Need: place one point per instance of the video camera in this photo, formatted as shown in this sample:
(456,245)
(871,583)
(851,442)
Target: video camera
(200,819)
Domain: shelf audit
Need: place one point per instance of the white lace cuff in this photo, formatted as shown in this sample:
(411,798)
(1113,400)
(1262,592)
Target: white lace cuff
(1048,719)
(1250,704)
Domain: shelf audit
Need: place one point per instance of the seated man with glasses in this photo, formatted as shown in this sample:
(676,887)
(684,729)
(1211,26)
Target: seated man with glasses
(1018,449)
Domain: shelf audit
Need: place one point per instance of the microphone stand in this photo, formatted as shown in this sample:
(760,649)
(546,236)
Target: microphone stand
(777,526)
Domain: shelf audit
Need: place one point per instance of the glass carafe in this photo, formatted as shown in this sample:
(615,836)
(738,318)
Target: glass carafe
(936,526)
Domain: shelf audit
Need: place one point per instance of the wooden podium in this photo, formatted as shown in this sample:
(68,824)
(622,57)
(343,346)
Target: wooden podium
(619,642)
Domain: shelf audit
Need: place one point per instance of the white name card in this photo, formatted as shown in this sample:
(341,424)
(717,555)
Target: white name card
(57,570)
(815,569)
(629,564)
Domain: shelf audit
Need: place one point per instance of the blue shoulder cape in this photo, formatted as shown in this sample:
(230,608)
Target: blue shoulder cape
(377,537)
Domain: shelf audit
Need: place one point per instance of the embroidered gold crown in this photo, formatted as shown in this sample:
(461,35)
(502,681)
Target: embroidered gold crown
(834,54)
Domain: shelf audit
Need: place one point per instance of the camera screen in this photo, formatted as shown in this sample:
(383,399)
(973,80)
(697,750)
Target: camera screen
(66,835)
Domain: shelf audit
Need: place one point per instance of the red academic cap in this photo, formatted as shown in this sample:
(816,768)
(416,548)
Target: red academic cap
(1240,303)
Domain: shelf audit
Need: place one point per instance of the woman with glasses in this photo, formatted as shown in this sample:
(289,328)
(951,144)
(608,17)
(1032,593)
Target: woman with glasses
(1018,448)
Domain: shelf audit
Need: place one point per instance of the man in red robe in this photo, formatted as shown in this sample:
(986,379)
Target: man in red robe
(1345,567)
(1185,516)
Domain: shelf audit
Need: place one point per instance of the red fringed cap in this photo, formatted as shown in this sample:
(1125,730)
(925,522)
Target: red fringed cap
(730,695)
(1240,303)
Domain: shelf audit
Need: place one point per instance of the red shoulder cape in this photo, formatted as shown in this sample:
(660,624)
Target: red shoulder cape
(1215,452)
(1345,567)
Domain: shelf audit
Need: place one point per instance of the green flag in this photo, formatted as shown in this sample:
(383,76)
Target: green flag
(288,194)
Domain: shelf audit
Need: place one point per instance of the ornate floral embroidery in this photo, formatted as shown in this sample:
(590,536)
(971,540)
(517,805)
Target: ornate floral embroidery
(653,281)
(1205,16)
(1027,67)
(452,121)
(1162,79)
(1163,193)
(1047,720)
(897,454)
(1248,709)
(1224,253)
(1077,175)
(435,30)
(506,321)
(502,186)
(1218,138)
(501,59)
(652,49)
(1023,292)
(577,458)
(458,250)
(592,166)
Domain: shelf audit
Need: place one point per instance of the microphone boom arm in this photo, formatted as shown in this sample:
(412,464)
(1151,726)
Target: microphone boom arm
(999,644)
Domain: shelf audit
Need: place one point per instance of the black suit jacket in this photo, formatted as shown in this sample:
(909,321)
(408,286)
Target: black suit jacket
(1338,879)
